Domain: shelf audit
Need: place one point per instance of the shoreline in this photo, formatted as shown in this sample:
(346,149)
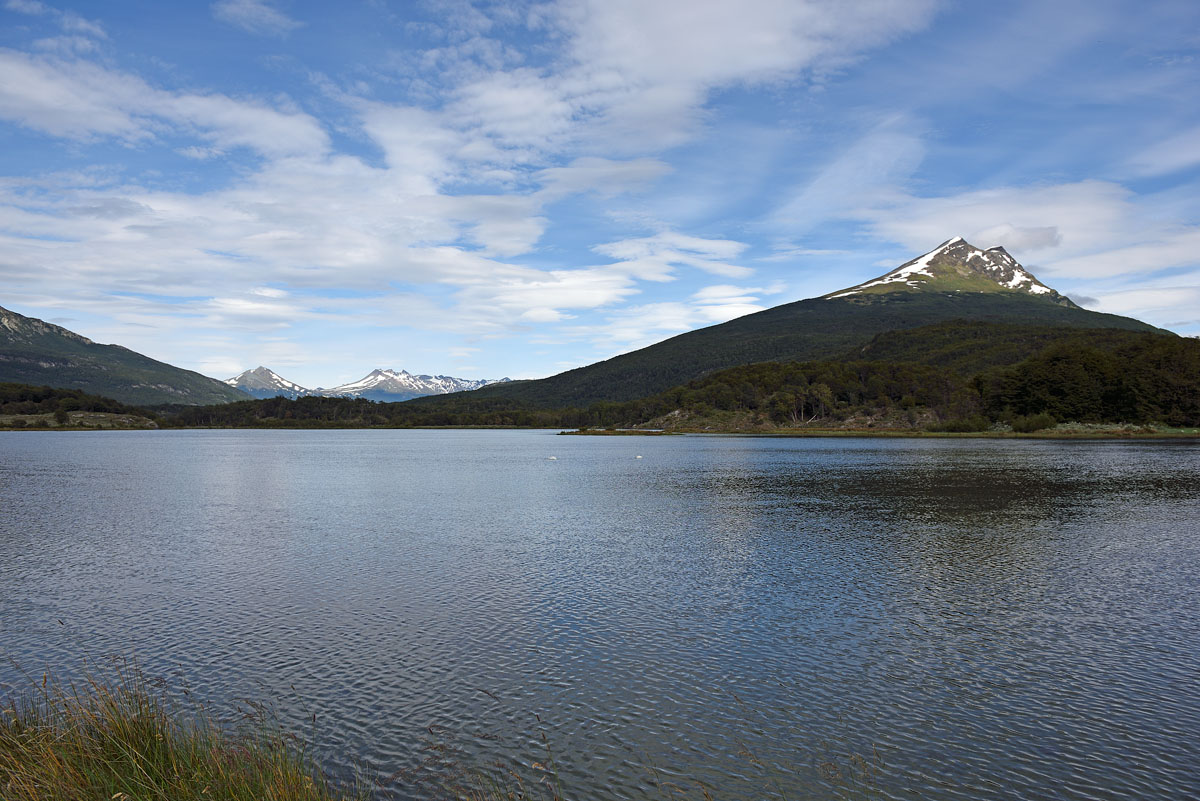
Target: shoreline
(1185,433)
(814,433)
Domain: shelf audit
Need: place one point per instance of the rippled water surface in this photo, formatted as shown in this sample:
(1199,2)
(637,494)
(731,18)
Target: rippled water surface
(917,619)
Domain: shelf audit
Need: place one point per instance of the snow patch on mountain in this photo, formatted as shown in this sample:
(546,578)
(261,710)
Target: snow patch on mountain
(382,385)
(395,385)
(264,383)
(957,256)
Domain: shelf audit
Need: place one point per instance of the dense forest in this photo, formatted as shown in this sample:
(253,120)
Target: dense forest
(969,347)
(1147,379)
(24,399)
(1121,377)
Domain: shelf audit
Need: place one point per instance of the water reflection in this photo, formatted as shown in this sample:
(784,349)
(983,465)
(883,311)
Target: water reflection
(999,619)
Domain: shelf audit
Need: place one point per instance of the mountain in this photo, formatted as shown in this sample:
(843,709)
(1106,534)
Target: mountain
(955,281)
(35,352)
(957,266)
(263,383)
(392,385)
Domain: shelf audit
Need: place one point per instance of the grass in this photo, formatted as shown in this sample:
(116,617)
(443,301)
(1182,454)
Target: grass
(123,740)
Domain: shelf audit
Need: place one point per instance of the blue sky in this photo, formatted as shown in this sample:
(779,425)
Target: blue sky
(512,188)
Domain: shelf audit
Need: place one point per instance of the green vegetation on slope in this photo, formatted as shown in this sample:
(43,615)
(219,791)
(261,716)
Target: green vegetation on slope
(23,406)
(969,347)
(808,330)
(1147,379)
(26,399)
(1134,378)
(38,353)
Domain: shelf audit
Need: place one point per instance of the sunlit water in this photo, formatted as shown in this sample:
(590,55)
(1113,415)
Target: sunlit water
(769,618)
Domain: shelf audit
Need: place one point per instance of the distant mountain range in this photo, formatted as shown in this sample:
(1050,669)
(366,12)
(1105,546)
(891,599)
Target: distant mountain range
(378,385)
(954,281)
(35,352)
(393,385)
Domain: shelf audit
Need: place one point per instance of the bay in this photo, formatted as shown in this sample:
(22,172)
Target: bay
(759,617)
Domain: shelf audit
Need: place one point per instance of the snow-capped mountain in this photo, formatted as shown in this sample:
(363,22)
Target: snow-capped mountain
(263,383)
(958,266)
(399,385)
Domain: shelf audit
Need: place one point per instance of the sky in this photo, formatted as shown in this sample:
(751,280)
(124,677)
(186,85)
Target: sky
(488,189)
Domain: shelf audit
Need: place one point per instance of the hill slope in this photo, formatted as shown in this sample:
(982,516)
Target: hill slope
(36,352)
(955,281)
(968,347)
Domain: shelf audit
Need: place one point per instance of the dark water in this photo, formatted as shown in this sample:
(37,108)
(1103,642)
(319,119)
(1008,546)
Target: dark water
(770,618)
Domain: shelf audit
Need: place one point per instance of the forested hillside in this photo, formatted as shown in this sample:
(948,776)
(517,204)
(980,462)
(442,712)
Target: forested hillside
(26,399)
(38,353)
(24,406)
(1119,378)
(970,347)
(816,329)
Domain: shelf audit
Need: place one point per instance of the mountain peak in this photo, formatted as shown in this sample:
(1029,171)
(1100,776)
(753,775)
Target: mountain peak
(958,266)
(262,382)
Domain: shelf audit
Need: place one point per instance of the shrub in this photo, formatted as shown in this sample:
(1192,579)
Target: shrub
(962,425)
(1027,424)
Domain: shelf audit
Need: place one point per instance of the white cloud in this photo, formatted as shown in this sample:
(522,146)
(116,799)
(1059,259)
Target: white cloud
(1094,238)
(75,24)
(1029,238)
(269,292)
(70,22)
(77,99)
(255,16)
(229,123)
(1159,251)
(1049,222)
(73,100)
(644,69)
(1176,153)
(884,157)
(518,108)
(1175,307)
(419,148)
(503,225)
(654,258)
(722,302)
(66,45)
(605,177)
(31,7)
(634,327)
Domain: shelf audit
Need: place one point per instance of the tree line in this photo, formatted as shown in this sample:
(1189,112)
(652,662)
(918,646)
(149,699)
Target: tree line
(26,399)
(1133,378)
(1138,380)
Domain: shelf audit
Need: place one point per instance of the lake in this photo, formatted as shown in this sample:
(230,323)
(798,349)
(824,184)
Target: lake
(768,618)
